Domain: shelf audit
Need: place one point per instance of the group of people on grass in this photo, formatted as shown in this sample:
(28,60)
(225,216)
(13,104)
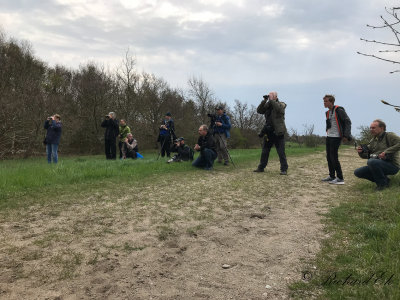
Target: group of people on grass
(382,151)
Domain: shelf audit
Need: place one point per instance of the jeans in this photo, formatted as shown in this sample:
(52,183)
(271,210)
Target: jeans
(205,159)
(279,142)
(51,150)
(332,156)
(376,171)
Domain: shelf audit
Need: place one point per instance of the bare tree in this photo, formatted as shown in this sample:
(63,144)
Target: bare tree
(393,24)
(203,96)
(245,117)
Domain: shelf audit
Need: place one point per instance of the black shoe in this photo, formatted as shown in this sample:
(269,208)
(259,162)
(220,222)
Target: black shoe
(381,187)
(258,170)
(283,172)
(226,163)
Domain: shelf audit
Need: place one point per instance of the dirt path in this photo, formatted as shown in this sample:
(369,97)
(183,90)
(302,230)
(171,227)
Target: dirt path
(217,235)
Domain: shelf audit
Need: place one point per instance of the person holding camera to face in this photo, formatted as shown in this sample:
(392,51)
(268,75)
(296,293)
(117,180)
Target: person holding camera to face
(129,147)
(167,131)
(221,125)
(53,135)
(111,124)
(338,128)
(382,153)
(273,131)
(185,153)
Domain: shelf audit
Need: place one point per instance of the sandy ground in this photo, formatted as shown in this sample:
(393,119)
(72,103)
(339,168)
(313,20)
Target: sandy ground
(206,235)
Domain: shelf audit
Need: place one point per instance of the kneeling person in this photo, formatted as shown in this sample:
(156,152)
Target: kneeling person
(129,147)
(184,151)
(382,153)
(206,146)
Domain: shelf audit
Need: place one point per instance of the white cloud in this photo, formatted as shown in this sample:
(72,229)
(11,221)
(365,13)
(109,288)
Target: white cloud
(273,10)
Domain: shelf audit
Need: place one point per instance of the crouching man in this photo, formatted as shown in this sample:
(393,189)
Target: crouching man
(382,154)
(206,146)
(185,153)
(129,147)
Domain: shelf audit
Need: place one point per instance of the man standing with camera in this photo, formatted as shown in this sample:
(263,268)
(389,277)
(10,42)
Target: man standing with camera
(111,125)
(167,130)
(273,131)
(338,128)
(221,130)
(382,153)
(53,126)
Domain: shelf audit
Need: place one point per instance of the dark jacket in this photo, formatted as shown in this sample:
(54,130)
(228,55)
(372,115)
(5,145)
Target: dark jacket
(342,120)
(226,125)
(274,112)
(184,152)
(53,134)
(112,128)
(387,142)
(207,141)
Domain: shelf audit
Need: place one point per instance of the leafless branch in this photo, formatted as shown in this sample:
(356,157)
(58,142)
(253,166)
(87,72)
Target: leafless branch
(377,57)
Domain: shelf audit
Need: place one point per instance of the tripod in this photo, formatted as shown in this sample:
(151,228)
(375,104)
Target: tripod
(225,147)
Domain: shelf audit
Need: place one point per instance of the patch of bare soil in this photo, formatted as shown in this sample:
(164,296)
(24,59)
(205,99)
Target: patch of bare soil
(205,235)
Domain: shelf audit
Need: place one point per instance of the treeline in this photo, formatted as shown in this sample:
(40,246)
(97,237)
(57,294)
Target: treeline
(30,91)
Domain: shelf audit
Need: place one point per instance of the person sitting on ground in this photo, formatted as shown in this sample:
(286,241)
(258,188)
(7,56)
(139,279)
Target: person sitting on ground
(129,147)
(206,146)
(185,153)
(382,153)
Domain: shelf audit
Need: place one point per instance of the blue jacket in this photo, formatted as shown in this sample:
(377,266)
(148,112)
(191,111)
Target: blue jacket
(226,125)
(53,134)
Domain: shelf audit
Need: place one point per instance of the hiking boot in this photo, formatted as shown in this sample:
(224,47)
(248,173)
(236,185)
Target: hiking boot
(329,178)
(337,181)
(258,170)
(283,173)
(226,163)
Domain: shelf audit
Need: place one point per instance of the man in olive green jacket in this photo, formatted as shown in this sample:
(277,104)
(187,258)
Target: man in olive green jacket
(273,131)
(382,153)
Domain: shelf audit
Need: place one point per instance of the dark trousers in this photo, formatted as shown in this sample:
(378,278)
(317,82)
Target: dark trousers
(205,159)
(376,171)
(165,141)
(110,148)
(279,142)
(120,144)
(332,156)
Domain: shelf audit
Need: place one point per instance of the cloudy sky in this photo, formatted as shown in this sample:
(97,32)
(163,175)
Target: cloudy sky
(243,49)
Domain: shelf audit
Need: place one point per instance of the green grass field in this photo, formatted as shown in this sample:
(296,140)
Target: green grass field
(359,260)
(30,181)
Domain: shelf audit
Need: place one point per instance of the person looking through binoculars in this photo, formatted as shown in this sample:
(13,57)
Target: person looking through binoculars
(221,125)
(52,140)
(273,131)
(129,147)
(111,124)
